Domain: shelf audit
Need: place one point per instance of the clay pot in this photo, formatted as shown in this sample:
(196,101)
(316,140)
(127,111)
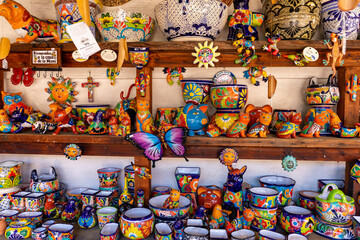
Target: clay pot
(3,226)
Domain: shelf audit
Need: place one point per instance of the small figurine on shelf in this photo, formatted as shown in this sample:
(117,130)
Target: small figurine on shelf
(174,72)
(209,197)
(247,217)
(261,127)
(98,125)
(125,196)
(24,120)
(309,54)
(173,200)
(140,198)
(65,119)
(71,211)
(113,126)
(144,121)
(289,128)
(142,172)
(246,50)
(194,118)
(240,127)
(178,229)
(335,54)
(6,126)
(256,72)
(229,227)
(201,213)
(236,222)
(142,82)
(352,87)
(50,210)
(13,101)
(272,47)
(217,219)
(41,127)
(313,128)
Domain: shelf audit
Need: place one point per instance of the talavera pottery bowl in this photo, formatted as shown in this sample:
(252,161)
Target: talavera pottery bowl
(307,199)
(295,236)
(9,215)
(334,231)
(262,223)
(187,178)
(106,215)
(243,234)
(266,213)
(10,174)
(284,185)
(156,205)
(231,96)
(296,219)
(19,229)
(117,24)
(6,195)
(263,197)
(196,91)
(84,109)
(34,217)
(340,184)
(195,20)
(196,233)
(270,235)
(137,223)
(109,231)
(60,231)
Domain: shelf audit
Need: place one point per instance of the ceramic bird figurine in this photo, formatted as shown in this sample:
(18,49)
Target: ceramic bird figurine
(237,223)
(87,218)
(201,214)
(98,125)
(50,210)
(71,212)
(173,200)
(217,219)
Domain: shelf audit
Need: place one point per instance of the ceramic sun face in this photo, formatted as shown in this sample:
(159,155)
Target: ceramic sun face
(72,151)
(206,55)
(61,90)
(228,156)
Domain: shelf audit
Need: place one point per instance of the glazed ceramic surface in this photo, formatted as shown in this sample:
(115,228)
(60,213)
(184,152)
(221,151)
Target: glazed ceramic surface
(243,234)
(229,96)
(355,170)
(117,24)
(191,20)
(160,190)
(57,194)
(34,202)
(34,217)
(137,223)
(103,199)
(9,215)
(75,193)
(307,199)
(156,205)
(295,236)
(139,56)
(276,122)
(6,197)
(266,213)
(263,197)
(48,223)
(340,184)
(110,231)
(19,230)
(322,94)
(292,19)
(61,231)
(89,109)
(165,116)
(356,221)
(130,178)
(108,177)
(296,219)
(284,185)
(163,232)
(88,197)
(262,223)
(270,235)
(40,233)
(10,174)
(187,178)
(218,234)
(334,20)
(106,215)
(196,233)
(334,231)
(196,91)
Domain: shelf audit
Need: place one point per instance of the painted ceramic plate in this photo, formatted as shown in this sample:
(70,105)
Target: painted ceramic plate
(224,77)
(108,55)
(310,54)
(77,56)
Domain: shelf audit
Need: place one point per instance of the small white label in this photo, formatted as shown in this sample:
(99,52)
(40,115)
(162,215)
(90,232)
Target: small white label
(310,54)
(108,55)
(5,64)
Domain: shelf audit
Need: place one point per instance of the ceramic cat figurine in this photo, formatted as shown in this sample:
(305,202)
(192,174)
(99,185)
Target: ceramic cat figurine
(247,217)
(288,129)
(239,128)
(261,127)
(313,128)
(173,200)
(6,125)
(144,121)
(12,101)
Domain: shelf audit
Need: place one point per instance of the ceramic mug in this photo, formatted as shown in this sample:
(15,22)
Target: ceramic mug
(263,197)
(39,233)
(270,235)
(163,231)
(243,234)
(196,233)
(106,215)
(61,231)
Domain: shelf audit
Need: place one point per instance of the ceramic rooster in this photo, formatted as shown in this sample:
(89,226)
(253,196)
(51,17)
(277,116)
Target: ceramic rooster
(50,210)
(173,200)
(217,219)
(71,212)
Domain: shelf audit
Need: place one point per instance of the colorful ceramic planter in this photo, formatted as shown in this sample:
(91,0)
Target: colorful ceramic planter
(75,193)
(266,213)
(34,202)
(110,231)
(88,197)
(340,184)
(18,201)
(334,231)
(230,96)
(9,215)
(263,197)
(6,197)
(139,56)
(276,121)
(19,230)
(160,190)
(130,178)
(10,174)
(86,110)
(356,221)
(163,232)
(44,182)
(262,223)
(61,231)
(108,177)
(294,219)
(282,184)
(322,94)
(307,199)
(156,205)
(197,233)
(40,233)
(187,178)
(34,217)
(217,234)
(196,91)
(57,194)
(137,223)
(270,235)
(355,170)
(106,215)
(103,199)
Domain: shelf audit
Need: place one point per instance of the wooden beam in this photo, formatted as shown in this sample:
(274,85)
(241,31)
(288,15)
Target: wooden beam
(2,80)
(144,184)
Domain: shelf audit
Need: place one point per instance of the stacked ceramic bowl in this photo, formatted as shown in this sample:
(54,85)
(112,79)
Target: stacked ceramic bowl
(108,180)
(283,185)
(263,201)
(10,178)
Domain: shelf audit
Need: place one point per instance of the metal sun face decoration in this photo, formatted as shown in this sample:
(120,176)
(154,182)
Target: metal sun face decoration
(61,90)
(206,55)
(72,151)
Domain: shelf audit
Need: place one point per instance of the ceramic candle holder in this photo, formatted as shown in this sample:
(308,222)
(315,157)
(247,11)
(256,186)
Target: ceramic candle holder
(34,202)
(106,215)
(282,184)
(61,231)
(108,177)
(103,199)
(196,233)
(163,231)
(187,178)
(110,231)
(40,233)
(243,234)
(137,223)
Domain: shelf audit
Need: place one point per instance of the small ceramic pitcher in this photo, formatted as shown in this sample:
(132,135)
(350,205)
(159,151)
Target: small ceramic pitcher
(163,231)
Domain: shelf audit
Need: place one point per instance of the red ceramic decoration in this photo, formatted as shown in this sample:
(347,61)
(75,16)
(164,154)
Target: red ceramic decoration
(255,112)
(209,197)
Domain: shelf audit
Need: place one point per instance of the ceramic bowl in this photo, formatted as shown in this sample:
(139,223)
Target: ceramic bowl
(295,236)
(9,215)
(19,230)
(196,91)
(231,96)
(137,223)
(10,174)
(160,190)
(108,177)
(86,109)
(60,231)
(196,20)
(263,197)
(216,234)
(334,231)
(294,219)
(163,231)
(197,233)
(34,217)
(106,215)
(6,197)
(45,186)
(117,24)
(110,231)
(284,185)
(48,223)
(270,235)
(75,193)
(56,195)
(187,178)
(243,234)
(156,205)
(262,223)
(307,199)
(266,213)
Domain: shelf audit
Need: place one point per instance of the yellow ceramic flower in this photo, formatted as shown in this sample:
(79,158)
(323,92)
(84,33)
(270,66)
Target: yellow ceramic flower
(106,19)
(133,232)
(135,20)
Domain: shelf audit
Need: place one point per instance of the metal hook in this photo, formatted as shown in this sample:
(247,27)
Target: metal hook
(38,73)
(58,74)
(44,74)
(51,74)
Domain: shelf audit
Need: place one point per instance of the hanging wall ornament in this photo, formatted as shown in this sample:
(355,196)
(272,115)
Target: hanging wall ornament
(246,50)
(142,82)
(228,157)
(77,56)
(90,85)
(61,90)
(72,151)
(108,55)
(335,54)
(256,72)
(289,163)
(205,55)
(111,74)
(175,72)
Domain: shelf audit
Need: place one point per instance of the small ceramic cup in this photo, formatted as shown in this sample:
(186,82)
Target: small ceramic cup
(243,234)
(270,235)
(34,217)
(88,197)
(196,233)
(48,223)
(307,199)
(106,215)
(295,236)
(60,231)
(263,197)
(39,233)
(75,193)
(108,177)
(294,219)
(110,231)
(218,234)
(163,231)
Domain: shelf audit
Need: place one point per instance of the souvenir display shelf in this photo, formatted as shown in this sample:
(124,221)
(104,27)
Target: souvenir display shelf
(175,54)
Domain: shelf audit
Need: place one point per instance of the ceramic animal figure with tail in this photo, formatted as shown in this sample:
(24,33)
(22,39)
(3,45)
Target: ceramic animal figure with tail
(143,172)
(217,219)
(194,118)
(65,119)
(23,119)
(30,28)
(247,217)
(272,47)
(288,128)
(6,125)
(42,127)
(313,128)
(261,127)
(144,120)
(173,200)
(239,128)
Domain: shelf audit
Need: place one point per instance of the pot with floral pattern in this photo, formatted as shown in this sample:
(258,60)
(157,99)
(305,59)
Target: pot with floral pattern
(335,231)
(34,217)
(156,205)
(263,197)
(106,215)
(9,215)
(60,231)
(262,223)
(187,178)
(10,174)
(137,223)
(196,91)
(34,202)
(294,219)
(307,199)
(19,229)
(108,177)
(284,185)
(139,56)
(110,231)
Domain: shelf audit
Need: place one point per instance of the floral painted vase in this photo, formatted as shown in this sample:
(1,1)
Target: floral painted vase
(137,223)
(108,177)
(297,19)
(334,20)
(187,178)
(299,220)
(196,91)
(10,175)
(19,230)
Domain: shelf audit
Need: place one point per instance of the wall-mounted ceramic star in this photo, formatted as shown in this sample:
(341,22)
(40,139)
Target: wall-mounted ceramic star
(206,55)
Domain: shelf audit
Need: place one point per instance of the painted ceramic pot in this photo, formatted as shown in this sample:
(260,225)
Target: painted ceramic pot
(34,202)
(88,197)
(137,223)
(60,231)
(187,178)
(334,231)
(110,231)
(218,234)
(44,182)
(163,231)
(18,201)
(232,96)
(355,170)
(196,91)
(67,13)
(48,223)
(334,207)
(139,56)
(307,199)
(294,219)
(75,193)
(117,24)
(89,109)
(156,205)
(40,233)
(340,184)
(108,177)
(115,194)
(262,223)
(322,94)
(19,230)
(103,199)
(10,174)
(276,122)
(34,217)
(356,221)
(196,233)
(295,236)
(6,197)
(263,197)
(58,194)
(196,20)
(130,178)
(265,213)
(270,235)
(161,190)
(333,20)
(292,19)
(243,234)
(106,215)
(284,185)
(9,215)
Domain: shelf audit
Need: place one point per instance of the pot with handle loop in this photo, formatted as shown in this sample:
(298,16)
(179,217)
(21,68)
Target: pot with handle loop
(322,94)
